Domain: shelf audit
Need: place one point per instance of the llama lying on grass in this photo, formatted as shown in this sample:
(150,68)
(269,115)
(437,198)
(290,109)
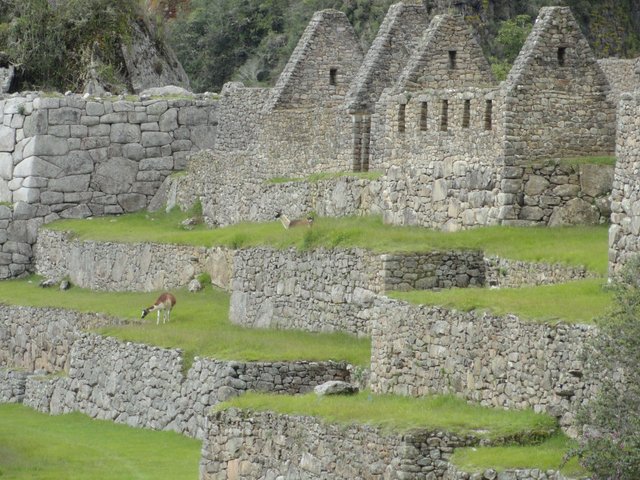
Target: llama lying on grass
(163,305)
(301,222)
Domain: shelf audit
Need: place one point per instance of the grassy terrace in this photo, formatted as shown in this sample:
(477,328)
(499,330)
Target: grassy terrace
(576,245)
(574,302)
(530,439)
(35,446)
(199,325)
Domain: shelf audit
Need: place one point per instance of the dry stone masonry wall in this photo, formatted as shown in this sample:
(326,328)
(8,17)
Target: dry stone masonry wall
(624,233)
(144,386)
(495,361)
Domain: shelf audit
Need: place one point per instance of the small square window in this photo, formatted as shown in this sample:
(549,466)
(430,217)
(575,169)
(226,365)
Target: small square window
(562,51)
(401,115)
(423,117)
(444,116)
(466,114)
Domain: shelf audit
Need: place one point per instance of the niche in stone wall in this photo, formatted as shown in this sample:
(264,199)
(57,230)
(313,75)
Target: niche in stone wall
(466,114)
(401,117)
(423,117)
(452,59)
(488,115)
(333,75)
(562,52)
(444,116)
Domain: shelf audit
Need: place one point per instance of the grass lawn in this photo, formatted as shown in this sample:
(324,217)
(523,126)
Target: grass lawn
(545,456)
(35,446)
(397,413)
(571,245)
(199,325)
(574,302)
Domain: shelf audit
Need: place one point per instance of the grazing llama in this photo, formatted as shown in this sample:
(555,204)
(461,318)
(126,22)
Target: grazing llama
(163,304)
(301,222)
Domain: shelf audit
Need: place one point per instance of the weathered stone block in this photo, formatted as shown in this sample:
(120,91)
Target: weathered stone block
(596,180)
(35,166)
(46,145)
(70,183)
(116,175)
(7,139)
(204,136)
(193,116)
(536,185)
(132,202)
(6,166)
(125,133)
(155,139)
(64,116)
(94,108)
(30,195)
(36,124)
(169,120)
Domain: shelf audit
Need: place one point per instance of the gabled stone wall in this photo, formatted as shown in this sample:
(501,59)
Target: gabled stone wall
(556,102)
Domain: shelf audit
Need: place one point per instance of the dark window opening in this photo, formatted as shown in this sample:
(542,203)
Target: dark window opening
(452,59)
(444,117)
(423,116)
(488,114)
(401,112)
(561,55)
(332,76)
(466,114)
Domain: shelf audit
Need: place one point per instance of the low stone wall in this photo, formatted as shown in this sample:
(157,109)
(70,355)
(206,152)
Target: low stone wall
(33,338)
(144,386)
(12,386)
(128,266)
(508,273)
(495,361)
(249,445)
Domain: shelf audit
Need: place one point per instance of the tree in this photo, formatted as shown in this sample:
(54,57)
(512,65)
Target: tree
(610,446)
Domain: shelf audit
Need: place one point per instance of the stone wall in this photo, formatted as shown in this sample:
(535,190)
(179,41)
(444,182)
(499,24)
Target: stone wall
(624,233)
(556,95)
(495,361)
(508,273)
(34,338)
(75,157)
(12,386)
(246,445)
(144,386)
(303,447)
(557,193)
(322,290)
(128,266)
(623,75)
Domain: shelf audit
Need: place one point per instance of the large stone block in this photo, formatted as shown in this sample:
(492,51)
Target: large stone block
(169,120)
(204,136)
(116,175)
(7,139)
(36,124)
(29,195)
(46,145)
(132,202)
(64,116)
(193,116)
(125,133)
(70,183)
(575,212)
(77,162)
(6,166)
(155,139)
(596,180)
(35,166)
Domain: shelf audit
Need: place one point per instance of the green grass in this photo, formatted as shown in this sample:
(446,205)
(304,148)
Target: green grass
(574,302)
(199,325)
(548,455)
(35,446)
(570,245)
(398,414)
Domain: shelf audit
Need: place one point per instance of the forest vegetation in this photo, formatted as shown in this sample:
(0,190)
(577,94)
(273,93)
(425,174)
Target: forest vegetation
(51,41)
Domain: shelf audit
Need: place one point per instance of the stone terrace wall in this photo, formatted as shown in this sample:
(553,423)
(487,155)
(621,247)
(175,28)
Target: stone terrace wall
(318,291)
(128,266)
(495,361)
(624,234)
(71,157)
(144,386)
(40,338)
(12,386)
(305,448)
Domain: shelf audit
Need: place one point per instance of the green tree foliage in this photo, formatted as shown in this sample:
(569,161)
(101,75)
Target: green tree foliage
(511,37)
(610,447)
(251,40)
(52,45)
